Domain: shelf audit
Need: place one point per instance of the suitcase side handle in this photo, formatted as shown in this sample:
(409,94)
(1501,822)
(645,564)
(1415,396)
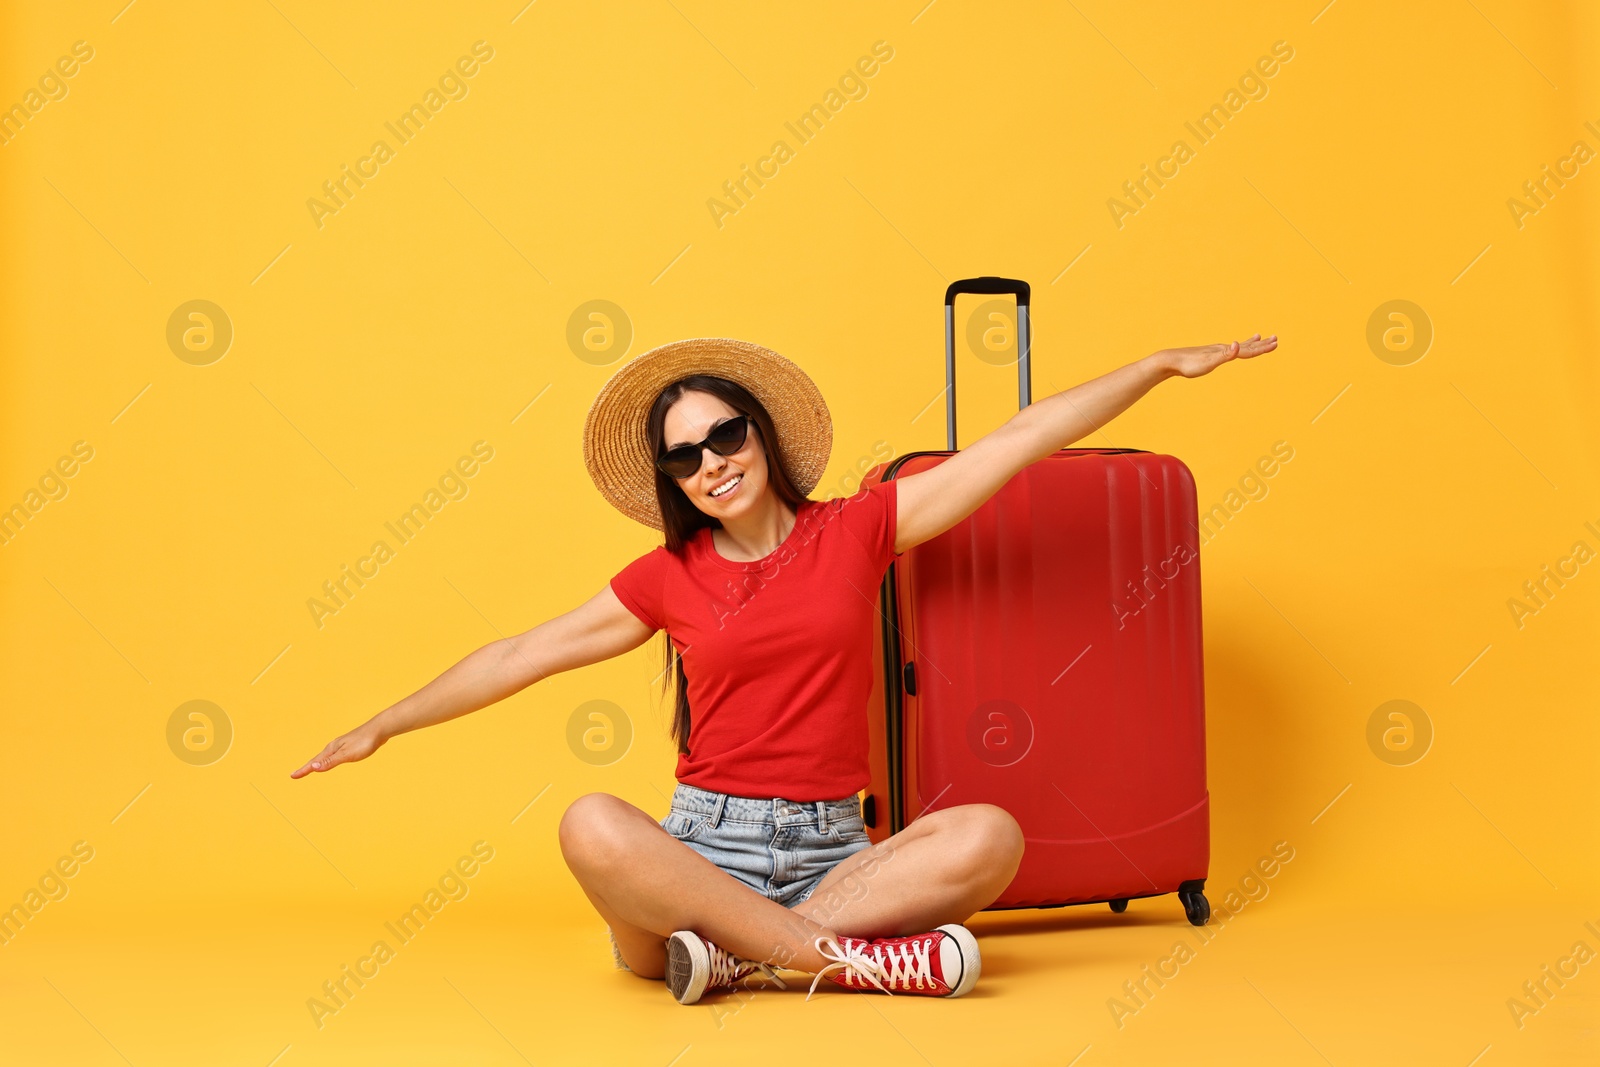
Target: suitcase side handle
(989,286)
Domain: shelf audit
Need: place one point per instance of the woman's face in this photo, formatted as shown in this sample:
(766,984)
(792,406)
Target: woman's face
(743,474)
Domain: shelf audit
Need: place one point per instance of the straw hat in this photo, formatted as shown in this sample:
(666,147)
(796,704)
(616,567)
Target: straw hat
(622,461)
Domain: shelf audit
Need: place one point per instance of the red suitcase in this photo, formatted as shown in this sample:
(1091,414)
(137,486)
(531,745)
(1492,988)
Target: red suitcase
(1044,655)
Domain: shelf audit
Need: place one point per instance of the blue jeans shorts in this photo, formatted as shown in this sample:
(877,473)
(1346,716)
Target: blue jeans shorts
(780,848)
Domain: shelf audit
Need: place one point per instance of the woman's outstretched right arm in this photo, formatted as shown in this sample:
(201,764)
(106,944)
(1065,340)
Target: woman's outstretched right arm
(597,629)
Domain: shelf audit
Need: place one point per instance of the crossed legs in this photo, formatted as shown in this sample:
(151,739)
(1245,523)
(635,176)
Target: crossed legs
(942,868)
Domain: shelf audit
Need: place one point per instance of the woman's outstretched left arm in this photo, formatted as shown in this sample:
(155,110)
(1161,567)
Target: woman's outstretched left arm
(935,500)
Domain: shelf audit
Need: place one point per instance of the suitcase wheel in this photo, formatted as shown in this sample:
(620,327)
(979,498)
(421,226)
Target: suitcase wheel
(1119,906)
(1195,906)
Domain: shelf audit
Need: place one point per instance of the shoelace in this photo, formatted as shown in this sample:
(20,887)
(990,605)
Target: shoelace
(726,968)
(908,964)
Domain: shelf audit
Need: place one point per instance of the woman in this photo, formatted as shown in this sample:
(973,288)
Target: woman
(768,599)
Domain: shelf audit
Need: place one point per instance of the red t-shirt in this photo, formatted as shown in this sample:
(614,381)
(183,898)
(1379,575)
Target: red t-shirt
(777,652)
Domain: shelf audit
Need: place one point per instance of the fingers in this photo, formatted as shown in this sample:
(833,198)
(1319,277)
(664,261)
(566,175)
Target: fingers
(322,761)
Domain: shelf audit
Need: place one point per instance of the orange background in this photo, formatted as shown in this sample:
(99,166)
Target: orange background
(433,310)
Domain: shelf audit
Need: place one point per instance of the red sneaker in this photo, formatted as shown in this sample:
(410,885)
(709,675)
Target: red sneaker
(695,967)
(941,963)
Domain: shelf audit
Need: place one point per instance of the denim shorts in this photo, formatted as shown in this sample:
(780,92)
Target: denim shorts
(780,848)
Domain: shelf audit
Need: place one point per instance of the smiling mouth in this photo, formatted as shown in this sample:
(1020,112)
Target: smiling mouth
(726,487)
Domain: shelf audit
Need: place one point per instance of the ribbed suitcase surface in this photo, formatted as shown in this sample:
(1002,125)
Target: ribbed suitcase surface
(1054,645)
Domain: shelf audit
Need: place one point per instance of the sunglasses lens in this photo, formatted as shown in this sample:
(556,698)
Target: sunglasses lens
(680,462)
(728,438)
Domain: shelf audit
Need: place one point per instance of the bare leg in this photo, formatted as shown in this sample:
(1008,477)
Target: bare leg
(944,867)
(648,885)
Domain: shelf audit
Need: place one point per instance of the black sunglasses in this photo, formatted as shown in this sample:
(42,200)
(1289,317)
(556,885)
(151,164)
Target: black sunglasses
(725,439)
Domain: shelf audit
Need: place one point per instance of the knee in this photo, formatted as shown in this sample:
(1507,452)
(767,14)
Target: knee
(989,838)
(1015,840)
(1002,834)
(591,830)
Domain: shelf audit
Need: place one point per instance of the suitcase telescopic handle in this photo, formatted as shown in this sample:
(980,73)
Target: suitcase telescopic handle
(988,287)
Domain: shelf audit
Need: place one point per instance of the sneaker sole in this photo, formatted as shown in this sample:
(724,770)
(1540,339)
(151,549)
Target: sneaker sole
(688,966)
(971,959)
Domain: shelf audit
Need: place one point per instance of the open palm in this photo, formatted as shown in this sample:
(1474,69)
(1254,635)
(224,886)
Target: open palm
(1194,362)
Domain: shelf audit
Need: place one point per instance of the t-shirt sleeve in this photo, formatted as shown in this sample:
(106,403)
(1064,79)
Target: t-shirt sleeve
(871,516)
(641,586)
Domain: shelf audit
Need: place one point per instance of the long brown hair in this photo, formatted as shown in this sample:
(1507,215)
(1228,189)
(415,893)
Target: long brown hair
(682,521)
